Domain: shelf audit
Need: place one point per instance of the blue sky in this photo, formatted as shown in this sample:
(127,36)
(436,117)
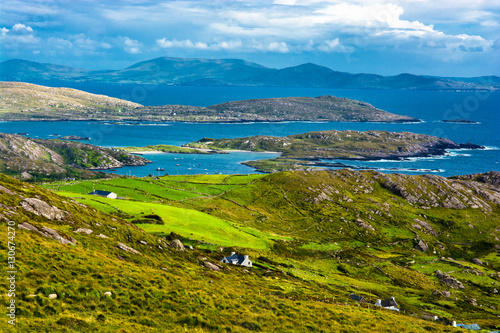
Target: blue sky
(434,37)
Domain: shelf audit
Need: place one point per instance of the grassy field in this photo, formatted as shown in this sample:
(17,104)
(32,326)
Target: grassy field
(305,226)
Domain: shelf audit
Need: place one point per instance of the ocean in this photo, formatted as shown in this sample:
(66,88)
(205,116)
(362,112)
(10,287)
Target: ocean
(429,106)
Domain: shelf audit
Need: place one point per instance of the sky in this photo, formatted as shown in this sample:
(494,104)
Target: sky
(429,37)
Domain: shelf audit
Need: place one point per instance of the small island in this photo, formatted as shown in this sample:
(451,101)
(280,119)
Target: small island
(459,121)
(167,149)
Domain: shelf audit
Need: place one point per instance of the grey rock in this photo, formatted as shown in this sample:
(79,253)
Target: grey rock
(47,232)
(41,208)
(421,246)
(84,230)
(126,248)
(52,296)
(449,280)
(477,261)
(446,293)
(211,266)
(177,245)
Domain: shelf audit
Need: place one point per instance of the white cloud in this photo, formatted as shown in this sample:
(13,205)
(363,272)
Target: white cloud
(21,28)
(188,44)
(335,45)
(131,46)
(280,47)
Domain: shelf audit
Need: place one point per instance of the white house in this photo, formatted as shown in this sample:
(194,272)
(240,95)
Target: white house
(105,194)
(237,259)
(388,304)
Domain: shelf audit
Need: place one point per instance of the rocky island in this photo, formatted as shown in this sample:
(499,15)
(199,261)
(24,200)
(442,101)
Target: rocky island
(300,151)
(28,102)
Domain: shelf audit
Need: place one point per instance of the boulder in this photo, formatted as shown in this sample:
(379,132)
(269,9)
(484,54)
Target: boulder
(421,246)
(211,266)
(52,296)
(449,280)
(477,261)
(177,245)
(446,293)
(108,293)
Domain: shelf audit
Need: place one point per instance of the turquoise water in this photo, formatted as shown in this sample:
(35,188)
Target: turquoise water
(429,106)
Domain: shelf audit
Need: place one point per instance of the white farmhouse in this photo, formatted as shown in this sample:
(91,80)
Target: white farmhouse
(237,259)
(105,194)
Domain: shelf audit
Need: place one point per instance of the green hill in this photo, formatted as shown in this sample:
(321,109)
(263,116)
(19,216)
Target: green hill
(79,269)
(429,241)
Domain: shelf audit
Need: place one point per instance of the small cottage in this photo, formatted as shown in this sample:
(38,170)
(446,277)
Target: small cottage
(358,298)
(105,194)
(237,259)
(389,304)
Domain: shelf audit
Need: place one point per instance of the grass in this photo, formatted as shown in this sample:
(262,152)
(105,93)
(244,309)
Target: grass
(313,248)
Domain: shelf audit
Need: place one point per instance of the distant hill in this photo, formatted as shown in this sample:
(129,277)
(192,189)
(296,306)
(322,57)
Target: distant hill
(216,72)
(24,101)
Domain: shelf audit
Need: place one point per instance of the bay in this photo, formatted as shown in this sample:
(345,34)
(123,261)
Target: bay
(429,106)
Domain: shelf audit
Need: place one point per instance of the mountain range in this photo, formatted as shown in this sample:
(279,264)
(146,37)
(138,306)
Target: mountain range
(235,72)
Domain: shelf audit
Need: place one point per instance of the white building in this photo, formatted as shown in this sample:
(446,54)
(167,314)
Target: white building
(105,194)
(237,259)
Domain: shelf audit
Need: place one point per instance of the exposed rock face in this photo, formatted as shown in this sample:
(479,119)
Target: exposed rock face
(47,232)
(421,246)
(211,266)
(177,245)
(449,280)
(41,208)
(362,224)
(84,230)
(437,191)
(423,225)
(126,248)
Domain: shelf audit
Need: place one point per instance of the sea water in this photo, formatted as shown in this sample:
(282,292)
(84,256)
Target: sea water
(429,106)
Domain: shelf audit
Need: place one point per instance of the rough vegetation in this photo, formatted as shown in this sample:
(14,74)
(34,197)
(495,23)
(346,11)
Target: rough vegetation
(315,237)
(29,158)
(111,276)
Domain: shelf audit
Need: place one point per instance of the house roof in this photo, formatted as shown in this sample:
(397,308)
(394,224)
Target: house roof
(101,192)
(357,298)
(388,303)
(236,257)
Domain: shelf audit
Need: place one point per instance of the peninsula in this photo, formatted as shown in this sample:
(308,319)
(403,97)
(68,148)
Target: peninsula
(28,102)
(300,151)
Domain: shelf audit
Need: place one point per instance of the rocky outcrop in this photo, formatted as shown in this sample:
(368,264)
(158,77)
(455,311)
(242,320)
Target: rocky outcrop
(41,208)
(47,232)
(127,248)
(436,191)
(449,280)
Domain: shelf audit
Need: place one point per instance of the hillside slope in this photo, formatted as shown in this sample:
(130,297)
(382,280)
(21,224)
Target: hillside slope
(27,158)
(79,269)
(431,242)
(19,100)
